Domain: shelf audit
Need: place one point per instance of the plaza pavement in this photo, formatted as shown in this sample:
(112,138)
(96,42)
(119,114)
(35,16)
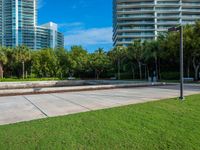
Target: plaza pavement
(30,107)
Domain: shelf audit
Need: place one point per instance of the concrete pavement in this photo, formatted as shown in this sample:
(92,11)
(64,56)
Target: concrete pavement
(30,107)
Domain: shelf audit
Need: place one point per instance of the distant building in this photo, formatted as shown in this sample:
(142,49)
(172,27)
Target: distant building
(18,26)
(48,36)
(144,19)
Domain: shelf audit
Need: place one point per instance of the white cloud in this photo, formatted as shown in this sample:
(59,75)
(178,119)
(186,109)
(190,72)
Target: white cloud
(79,4)
(41,3)
(76,33)
(92,36)
(71,25)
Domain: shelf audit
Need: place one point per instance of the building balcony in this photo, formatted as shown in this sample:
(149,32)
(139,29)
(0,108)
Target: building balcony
(168,22)
(168,10)
(168,3)
(168,17)
(133,30)
(135,17)
(190,10)
(191,4)
(144,5)
(137,23)
(136,36)
(134,11)
(192,17)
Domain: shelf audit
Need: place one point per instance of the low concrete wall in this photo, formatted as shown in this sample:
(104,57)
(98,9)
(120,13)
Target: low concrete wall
(109,82)
(8,92)
(39,84)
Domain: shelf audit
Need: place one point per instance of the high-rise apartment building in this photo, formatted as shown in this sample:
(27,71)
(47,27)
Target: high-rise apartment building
(18,26)
(48,34)
(144,19)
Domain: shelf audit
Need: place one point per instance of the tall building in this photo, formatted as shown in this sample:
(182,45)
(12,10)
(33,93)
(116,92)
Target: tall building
(144,19)
(18,26)
(48,34)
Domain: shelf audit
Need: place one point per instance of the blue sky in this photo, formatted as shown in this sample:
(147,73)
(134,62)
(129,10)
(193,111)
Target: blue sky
(83,22)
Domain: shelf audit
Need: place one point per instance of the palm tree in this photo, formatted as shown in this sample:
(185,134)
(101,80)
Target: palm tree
(195,50)
(23,55)
(118,54)
(99,62)
(3,60)
(136,52)
(151,52)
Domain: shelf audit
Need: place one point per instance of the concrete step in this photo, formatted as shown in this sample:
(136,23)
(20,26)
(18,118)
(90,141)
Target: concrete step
(9,92)
(39,84)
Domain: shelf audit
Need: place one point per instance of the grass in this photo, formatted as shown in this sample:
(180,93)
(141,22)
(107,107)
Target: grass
(168,124)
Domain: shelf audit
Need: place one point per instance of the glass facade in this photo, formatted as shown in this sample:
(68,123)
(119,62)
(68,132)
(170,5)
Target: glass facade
(1,22)
(18,26)
(145,19)
(48,36)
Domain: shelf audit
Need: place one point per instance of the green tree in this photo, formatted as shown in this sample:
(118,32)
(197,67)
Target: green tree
(99,62)
(63,61)
(3,60)
(148,56)
(11,67)
(45,63)
(191,48)
(78,59)
(188,40)
(195,51)
(118,54)
(23,55)
(136,52)
(152,51)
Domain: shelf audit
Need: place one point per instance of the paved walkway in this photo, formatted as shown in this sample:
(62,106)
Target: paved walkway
(29,107)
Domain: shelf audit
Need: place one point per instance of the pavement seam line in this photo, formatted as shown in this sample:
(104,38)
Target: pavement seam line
(36,106)
(115,96)
(99,100)
(70,101)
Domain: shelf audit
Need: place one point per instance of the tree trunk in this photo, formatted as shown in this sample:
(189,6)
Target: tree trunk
(119,75)
(23,68)
(133,71)
(148,71)
(196,73)
(1,70)
(159,70)
(156,67)
(196,68)
(140,69)
(98,74)
(145,72)
(188,68)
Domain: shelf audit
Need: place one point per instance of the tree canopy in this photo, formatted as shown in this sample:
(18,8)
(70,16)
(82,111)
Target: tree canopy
(140,60)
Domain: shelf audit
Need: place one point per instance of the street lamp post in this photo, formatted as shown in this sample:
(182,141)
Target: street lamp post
(180,29)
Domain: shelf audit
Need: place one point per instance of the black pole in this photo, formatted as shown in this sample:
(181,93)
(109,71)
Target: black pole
(180,29)
(181,64)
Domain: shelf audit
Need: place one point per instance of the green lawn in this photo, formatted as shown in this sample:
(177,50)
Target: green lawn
(168,124)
